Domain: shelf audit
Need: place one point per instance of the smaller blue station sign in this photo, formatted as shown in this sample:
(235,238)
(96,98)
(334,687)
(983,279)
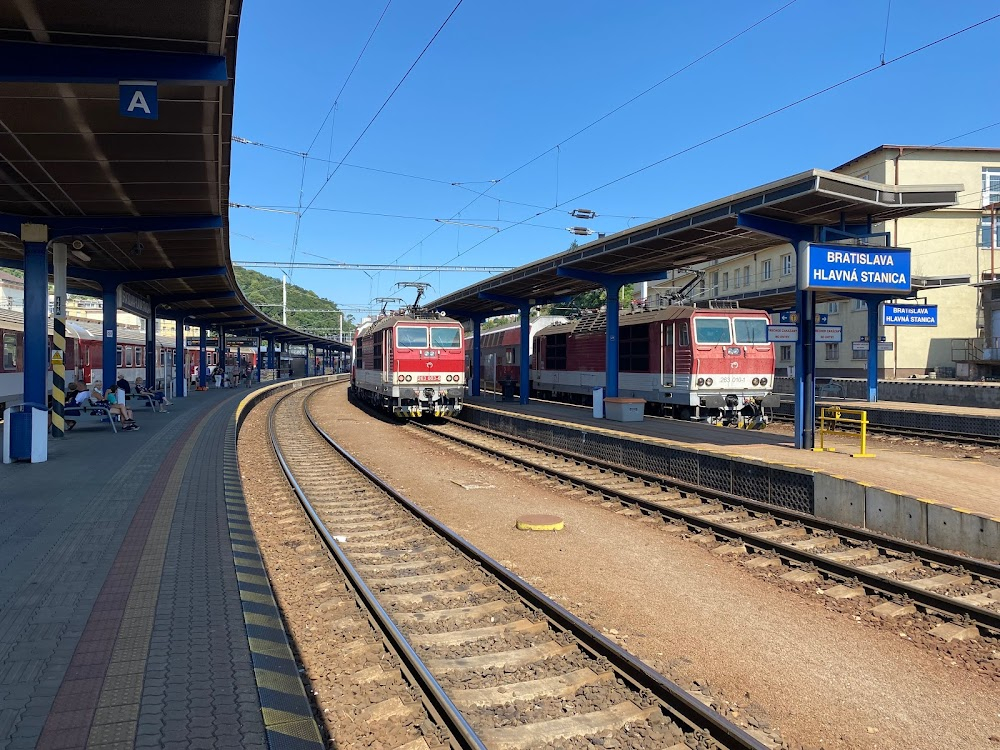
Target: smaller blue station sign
(138,99)
(909,315)
(848,268)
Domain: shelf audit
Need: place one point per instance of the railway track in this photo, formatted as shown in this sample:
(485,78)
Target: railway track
(497,663)
(853,562)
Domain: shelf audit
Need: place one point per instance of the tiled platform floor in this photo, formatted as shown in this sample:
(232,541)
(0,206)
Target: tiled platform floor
(121,623)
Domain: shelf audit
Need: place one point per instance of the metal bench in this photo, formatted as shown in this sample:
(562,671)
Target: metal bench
(72,412)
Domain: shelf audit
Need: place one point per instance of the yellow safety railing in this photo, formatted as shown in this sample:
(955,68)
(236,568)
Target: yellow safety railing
(833,420)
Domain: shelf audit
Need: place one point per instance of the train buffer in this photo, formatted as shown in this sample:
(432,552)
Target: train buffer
(836,420)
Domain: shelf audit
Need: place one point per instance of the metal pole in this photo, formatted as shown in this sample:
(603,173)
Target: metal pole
(59,340)
(180,375)
(873,339)
(203,358)
(220,354)
(151,346)
(109,353)
(525,344)
(611,336)
(477,354)
(284,300)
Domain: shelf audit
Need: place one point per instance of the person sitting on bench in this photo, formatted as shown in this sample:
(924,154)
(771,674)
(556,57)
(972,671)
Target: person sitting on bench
(114,400)
(159,397)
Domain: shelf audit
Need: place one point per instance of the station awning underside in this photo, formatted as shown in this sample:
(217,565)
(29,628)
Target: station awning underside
(709,232)
(147,198)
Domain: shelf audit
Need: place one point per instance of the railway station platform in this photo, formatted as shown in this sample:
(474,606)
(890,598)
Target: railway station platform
(905,491)
(134,609)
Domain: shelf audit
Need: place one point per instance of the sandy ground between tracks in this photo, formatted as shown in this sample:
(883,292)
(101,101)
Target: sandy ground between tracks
(824,680)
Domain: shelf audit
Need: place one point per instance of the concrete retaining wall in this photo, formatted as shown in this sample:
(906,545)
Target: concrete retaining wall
(827,496)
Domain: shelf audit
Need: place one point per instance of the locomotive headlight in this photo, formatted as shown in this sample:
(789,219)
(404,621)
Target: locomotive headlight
(763,381)
(409,378)
(701,381)
(708,381)
(401,378)
(756,381)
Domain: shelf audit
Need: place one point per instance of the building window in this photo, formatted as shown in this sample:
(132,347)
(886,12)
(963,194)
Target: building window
(834,308)
(746,275)
(832,352)
(633,349)
(9,351)
(725,280)
(866,175)
(860,304)
(991,185)
(736,279)
(785,352)
(765,270)
(786,265)
(859,354)
(715,282)
(984,232)
(701,287)
(121,356)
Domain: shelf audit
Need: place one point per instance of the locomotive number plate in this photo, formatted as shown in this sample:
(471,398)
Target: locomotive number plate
(428,378)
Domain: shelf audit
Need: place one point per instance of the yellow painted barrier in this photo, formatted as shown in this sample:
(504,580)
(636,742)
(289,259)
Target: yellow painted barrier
(833,420)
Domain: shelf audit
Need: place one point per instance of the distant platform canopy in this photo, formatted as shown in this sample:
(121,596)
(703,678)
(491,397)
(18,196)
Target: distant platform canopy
(816,198)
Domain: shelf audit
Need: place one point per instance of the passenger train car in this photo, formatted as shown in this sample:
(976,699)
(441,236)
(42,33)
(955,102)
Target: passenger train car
(500,351)
(83,357)
(688,362)
(410,365)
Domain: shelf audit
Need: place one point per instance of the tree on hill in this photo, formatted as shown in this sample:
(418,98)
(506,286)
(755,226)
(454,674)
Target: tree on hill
(264,291)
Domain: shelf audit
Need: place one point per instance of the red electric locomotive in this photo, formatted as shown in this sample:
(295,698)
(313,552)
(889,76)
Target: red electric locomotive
(410,364)
(687,362)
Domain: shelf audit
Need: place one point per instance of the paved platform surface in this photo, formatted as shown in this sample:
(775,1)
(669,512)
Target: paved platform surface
(124,618)
(966,411)
(969,485)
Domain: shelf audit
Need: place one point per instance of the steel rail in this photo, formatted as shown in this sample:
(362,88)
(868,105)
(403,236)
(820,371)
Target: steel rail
(682,705)
(463,734)
(895,589)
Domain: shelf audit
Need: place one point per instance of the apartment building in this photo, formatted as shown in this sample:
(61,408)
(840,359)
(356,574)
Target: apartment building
(951,254)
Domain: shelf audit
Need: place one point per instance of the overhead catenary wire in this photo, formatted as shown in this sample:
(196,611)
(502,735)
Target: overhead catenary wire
(742,126)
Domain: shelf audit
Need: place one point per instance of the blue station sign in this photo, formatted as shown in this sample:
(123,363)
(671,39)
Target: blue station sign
(909,315)
(846,268)
(138,99)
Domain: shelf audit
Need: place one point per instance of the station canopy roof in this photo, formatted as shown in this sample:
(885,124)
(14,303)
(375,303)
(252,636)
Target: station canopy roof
(705,233)
(67,154)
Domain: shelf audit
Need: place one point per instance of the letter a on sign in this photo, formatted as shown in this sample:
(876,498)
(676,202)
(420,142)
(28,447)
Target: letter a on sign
(138,99)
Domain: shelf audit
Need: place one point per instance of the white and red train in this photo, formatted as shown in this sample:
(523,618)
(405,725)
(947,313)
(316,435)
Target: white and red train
(84,355)
(688,362)
(410,365)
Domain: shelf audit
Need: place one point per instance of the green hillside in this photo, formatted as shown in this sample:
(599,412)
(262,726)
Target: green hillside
(266,290)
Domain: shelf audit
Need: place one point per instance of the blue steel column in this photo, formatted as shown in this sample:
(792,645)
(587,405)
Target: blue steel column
(873,339)
(611,348)
(36,329)
(203,357)
(259,358)
(805,359)
(151,346)
(525,343)
(220,353)
(109,350)
(477,354)
(179,374)
(270,352)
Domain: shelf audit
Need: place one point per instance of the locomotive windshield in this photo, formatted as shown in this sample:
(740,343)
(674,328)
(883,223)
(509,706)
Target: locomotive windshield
(446,338)
(412,337)
(713,331)
(750,330)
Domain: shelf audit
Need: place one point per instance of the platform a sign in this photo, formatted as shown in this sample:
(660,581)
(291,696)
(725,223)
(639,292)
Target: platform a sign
(783,333)
(138,99)
(909,315)
(848,268)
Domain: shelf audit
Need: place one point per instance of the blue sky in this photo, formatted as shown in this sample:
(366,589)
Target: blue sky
(506,82)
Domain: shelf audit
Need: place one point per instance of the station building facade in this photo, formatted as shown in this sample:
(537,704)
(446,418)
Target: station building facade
(951,258)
